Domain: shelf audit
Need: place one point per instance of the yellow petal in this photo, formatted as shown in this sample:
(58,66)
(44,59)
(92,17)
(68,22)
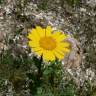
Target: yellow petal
(66,50)
(48,31)
(64,44)
(33,35)
(30,36)
(41,31)
(56,34)
(59,55)
(38,51)
(63,49)
(59,36)
(48,55)
(33,44)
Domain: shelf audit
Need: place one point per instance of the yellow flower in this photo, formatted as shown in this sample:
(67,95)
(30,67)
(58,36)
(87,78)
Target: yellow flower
(47,44)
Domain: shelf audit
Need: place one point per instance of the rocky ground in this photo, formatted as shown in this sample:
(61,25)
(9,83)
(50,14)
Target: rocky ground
(74,17)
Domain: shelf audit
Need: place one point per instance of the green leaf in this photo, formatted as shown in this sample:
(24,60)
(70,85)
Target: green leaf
(19,30)
(37,61)
(73,2)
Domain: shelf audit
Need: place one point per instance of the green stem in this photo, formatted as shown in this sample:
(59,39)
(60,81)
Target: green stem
(39,74)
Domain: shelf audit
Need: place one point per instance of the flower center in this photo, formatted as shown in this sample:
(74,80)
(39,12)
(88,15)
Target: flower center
(47,43)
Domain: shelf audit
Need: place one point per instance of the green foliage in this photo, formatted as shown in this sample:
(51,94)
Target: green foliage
(69,90)
(35,77)
(73,2)
(47,79)
(87,90)
(93,92)
(18,31)
(48,4)
(52,73)
(43,4)
(1,1)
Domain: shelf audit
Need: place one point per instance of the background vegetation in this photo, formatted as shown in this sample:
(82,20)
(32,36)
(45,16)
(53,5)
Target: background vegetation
(21,73)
